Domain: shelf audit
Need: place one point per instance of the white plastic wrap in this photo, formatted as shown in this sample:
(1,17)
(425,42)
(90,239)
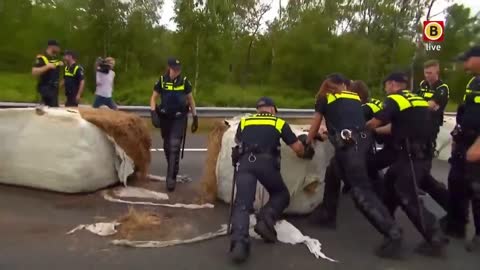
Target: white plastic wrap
(297,173)
(58,150)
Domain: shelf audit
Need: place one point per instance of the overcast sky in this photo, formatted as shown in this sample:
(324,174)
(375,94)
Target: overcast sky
(439,6)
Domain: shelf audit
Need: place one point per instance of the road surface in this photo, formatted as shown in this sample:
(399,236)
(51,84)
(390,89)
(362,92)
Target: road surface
(33,224)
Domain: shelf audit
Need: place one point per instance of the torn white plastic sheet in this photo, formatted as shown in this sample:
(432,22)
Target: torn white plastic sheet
(176,205)
(123,163)
(180,178)
(286,233)
(136,192)
(101,228)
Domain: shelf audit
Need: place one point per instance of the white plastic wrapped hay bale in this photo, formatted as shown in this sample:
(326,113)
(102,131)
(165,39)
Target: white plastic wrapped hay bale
(303,178)
(57,150)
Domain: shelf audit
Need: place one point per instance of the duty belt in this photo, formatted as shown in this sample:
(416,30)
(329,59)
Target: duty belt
(418,149)
(257,149)
(347,137)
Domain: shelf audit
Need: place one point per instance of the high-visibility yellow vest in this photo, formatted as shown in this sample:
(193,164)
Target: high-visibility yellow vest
(375,105)
(428,93)
(262,120)
(342,95)
(471,96)
(406,99)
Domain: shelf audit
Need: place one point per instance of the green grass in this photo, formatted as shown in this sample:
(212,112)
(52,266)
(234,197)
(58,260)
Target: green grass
(21,88)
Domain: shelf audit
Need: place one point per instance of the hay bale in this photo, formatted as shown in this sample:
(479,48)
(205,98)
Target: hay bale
(209,177)
(136,221)
(129,132)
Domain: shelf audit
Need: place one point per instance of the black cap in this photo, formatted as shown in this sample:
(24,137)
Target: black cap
(53,42)
(71,53)
(174,63)
(338,78)
(472,52)
(397,77)
(266,102)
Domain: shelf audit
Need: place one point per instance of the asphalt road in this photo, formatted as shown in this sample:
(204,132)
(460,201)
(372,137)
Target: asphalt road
(33,224)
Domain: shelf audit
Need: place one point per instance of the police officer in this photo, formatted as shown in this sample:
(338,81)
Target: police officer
(470,132)
(257,157)
(73,77)
(171,116)
(325,215)
(346,127)
(436,93)
(47,69)
(412,133)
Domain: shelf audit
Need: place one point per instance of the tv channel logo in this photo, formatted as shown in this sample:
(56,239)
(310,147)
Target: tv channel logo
(433,31)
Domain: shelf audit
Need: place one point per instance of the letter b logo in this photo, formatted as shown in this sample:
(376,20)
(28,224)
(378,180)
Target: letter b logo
(433,31)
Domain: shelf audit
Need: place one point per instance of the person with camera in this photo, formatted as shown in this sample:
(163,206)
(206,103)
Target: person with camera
(105,77)
(47,69)
(171,116)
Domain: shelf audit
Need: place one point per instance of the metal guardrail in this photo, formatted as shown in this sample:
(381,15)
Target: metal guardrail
(203,112)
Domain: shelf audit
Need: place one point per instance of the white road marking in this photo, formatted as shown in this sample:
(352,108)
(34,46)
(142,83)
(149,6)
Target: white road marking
(186,150)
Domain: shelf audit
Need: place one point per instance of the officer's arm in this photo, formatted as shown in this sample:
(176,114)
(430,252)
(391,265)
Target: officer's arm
(314,126)
(291,140)
(81,88)
(384,130)
(153,100)
(238,134)
(439,99)
(384,116)
(40,67)
(191,104)
(473,153)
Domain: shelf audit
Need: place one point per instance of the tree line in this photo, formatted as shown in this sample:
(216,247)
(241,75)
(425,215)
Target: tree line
(223,42)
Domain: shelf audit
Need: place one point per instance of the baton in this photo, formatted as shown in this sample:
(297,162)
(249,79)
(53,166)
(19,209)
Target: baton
(414,180)
(232,197)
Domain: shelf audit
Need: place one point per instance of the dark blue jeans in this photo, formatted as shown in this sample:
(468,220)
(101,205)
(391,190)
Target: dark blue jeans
(99,101)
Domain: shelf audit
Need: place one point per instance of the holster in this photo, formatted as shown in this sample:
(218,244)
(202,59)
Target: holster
(346,138)
(417,150)
(461,135)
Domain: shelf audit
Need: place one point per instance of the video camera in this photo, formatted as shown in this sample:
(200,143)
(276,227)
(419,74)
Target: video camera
(103,66)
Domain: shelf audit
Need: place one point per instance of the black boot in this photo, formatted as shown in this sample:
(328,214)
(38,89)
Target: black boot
(265,226)
(239,251)
(321,217)
(474,244)
(392,246)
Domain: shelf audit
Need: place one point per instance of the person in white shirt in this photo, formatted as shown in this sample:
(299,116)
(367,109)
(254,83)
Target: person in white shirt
(105,78)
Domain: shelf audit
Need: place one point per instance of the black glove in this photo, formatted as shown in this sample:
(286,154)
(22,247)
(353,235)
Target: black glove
(309,152)
(303,139)
(195,124)
(155,119)
(235,155)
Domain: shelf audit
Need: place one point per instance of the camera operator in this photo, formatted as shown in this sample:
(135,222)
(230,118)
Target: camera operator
(105,78)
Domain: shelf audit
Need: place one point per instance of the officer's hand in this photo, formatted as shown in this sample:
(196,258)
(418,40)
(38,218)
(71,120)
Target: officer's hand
(309,152)
(59,64)
(303,139)
(195,124)
(77,98)
(155,119)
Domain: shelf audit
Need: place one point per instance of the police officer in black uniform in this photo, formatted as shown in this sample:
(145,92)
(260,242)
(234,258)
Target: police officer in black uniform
(412,133)
(73,77)
(257,157)
(346,127)
(469,132)
(325,215)
(436,93)
(47,69)
(171,116)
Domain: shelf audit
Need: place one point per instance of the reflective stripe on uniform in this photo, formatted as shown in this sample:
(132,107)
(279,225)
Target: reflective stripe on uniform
(409,101)
(46,61)
(68,74)
(374,107)
(259,120)
(344,94)
(170,87)
(468,92)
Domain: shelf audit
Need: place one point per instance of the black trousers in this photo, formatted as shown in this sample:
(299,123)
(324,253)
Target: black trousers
(71,99)
(351,161)
(49,95)
(266,170)
(172,129)
(402,191)
(458,187)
